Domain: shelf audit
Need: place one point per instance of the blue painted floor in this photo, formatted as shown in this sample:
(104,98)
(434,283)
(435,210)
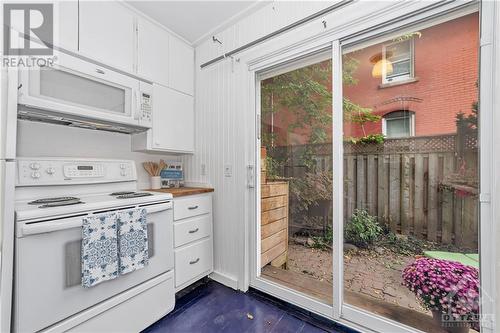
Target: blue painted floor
(213,307)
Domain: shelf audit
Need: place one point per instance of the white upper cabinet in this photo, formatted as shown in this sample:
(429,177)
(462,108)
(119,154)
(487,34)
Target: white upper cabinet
(67,32)
(173,123)
(173,120)
(181,66)
(152,52)
(107,33)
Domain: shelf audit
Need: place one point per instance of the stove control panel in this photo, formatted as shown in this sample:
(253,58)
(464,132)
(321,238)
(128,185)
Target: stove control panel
(83,170)
(32,172)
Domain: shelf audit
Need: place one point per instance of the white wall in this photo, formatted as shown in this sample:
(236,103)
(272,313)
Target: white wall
(35,139)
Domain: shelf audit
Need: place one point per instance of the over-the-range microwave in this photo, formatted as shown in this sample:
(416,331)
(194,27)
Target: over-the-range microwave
(79,93)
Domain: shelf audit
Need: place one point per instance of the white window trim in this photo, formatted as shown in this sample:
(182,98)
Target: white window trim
(410,76)
(412,123)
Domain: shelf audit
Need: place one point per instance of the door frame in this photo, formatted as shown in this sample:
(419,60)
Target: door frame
(343,313)
(294,297)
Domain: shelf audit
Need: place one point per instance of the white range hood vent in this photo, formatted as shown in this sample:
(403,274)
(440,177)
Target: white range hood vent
(32,114)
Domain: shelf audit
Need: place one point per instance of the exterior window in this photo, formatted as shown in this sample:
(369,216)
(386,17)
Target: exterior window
(399,124)
(398,60)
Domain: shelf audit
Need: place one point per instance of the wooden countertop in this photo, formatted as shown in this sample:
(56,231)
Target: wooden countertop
(183,191)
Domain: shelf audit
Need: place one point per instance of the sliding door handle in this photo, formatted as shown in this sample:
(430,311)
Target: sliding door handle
(250,176)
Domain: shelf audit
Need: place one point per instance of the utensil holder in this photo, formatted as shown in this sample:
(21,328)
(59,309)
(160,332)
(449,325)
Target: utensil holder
(155,182)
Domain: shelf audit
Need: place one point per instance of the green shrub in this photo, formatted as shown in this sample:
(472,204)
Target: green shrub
(363,229)
(325,241)
(368,139)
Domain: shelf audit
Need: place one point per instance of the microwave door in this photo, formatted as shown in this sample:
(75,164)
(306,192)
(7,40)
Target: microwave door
(89,93)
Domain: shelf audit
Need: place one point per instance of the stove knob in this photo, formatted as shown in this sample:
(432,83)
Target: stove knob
(122,166)
(35,175)
(34,166)
(50,171)
(123,173)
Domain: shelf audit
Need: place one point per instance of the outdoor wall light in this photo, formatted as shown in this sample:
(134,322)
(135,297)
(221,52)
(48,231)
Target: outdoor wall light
(381,65)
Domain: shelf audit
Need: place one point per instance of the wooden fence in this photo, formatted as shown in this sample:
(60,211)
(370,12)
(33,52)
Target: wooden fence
(422,186)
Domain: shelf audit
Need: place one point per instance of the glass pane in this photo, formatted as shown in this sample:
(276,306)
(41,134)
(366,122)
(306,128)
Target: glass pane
(400,68)
(398,51)
(397,128)
(296,190)
(61,85)
(411,204)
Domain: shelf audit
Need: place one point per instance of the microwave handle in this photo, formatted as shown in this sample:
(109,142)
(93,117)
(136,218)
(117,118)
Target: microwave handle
(137,111)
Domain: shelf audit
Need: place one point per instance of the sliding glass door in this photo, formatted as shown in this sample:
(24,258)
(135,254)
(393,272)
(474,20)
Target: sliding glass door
(368,186)
(411,176)
(296,171)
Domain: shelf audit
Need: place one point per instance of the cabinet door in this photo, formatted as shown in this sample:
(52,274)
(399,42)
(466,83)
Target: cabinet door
(152,52)
(67,32)
(173,120)
(107,33)
(181,66)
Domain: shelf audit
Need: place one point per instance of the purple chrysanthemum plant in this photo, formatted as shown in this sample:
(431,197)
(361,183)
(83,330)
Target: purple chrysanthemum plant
(445,286)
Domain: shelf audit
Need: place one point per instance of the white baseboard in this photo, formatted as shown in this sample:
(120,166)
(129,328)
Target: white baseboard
(224,279)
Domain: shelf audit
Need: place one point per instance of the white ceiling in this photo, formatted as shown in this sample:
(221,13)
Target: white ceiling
(193,20)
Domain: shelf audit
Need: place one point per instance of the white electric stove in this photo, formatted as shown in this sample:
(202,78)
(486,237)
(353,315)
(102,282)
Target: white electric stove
(52,197)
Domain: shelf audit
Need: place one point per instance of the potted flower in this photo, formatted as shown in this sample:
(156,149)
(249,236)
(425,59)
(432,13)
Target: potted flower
(449,289)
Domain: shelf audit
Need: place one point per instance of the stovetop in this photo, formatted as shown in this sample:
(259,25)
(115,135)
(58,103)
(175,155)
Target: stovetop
(63,205)
(54,187)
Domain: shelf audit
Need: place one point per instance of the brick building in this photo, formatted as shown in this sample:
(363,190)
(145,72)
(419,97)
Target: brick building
(443,61)
(431,63)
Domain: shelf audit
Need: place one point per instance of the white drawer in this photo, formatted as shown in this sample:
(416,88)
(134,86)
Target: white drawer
(132,315)
(192,229)
(192,206)
(192,261)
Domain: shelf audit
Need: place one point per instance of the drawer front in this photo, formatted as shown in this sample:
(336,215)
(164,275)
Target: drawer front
(192,260)
(194,206)
(192,229)
(147,303)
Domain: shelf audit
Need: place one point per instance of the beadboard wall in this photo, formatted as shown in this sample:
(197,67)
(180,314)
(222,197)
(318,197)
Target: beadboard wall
(225,117)
(223,124)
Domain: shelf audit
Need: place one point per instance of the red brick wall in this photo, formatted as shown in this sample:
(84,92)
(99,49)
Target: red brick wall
(446,65)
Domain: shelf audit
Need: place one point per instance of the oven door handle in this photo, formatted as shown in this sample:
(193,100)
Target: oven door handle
(50,226)
(158,208)
(75,222)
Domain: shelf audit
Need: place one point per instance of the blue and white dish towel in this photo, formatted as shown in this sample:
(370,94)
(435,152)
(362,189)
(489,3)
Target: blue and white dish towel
(99,249)
(113,244)
(133,240)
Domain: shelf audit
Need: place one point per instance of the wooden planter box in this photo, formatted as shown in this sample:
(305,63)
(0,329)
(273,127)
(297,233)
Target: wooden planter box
(274,223)
(274,218)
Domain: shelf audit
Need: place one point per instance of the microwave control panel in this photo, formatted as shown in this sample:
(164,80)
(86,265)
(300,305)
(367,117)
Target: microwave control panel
(146,107)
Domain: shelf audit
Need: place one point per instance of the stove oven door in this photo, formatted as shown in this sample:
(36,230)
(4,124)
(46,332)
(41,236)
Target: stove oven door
(48,268)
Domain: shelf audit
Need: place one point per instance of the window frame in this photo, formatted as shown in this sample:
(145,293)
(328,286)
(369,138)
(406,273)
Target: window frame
(402,78)
(412,123)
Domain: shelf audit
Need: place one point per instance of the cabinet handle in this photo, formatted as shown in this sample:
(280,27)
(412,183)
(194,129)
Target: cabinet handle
(194,261)
(192,207)
(194,230)
(100,71)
